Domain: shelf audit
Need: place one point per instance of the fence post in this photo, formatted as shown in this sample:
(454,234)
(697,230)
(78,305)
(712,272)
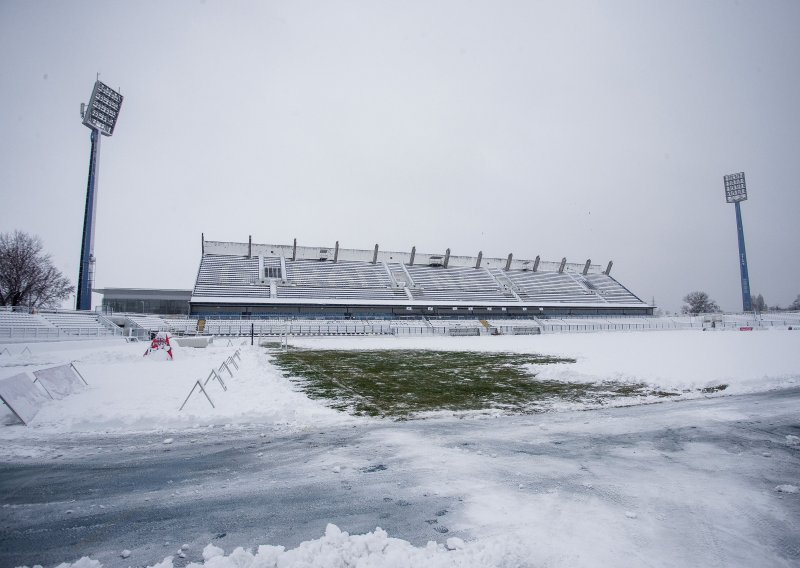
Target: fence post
(213,374)
(74,368)
(197,384)
(227,368)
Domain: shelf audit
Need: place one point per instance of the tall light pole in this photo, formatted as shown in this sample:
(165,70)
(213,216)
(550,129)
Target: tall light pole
(100,117)
(736,192)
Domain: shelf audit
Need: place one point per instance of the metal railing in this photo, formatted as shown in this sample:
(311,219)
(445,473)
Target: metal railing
(109,325)
(609,326)
(298,329)
(45,333)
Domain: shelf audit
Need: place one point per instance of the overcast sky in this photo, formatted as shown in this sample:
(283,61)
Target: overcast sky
(592,130)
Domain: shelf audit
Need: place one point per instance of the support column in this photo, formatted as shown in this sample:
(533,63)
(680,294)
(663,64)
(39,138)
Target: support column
(747,301)
(86,270)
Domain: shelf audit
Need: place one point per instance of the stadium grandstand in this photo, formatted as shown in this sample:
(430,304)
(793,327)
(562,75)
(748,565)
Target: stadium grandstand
(22,324)
(289,281)
(247,289)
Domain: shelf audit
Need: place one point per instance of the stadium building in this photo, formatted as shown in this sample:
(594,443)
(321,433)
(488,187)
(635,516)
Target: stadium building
(289,281)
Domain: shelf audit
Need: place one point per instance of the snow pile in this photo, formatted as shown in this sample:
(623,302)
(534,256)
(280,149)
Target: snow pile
(128,391)
(372,550)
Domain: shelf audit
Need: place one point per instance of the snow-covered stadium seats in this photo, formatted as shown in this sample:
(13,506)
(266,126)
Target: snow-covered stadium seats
(252,279)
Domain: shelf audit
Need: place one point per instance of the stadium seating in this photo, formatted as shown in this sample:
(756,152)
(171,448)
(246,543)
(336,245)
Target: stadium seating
(453,278)
(151,323)
(15,325)
(347,274)
(285,279)
(23,320)
(453,323)
(611,290)
(228,275)
(181,325)
(547,287)
(77,322)
(22,324)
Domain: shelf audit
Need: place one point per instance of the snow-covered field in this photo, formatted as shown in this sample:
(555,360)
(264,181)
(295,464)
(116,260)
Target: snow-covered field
(707,481)
(130,392)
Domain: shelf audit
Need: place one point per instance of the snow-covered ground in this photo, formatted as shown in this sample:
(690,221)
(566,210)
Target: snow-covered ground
(709,481)
(130,392)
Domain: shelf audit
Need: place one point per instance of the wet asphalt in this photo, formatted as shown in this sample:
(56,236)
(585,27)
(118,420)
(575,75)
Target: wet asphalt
(95,495)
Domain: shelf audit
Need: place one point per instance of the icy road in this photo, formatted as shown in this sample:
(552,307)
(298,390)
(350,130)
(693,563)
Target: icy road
(706,482)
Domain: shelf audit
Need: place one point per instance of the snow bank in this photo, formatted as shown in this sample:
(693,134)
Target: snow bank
(128,391)
(372,550)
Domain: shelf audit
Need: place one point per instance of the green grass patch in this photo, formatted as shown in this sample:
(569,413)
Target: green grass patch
(401,383)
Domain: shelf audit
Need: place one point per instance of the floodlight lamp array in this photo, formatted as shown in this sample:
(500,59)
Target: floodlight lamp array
(735,187)
(103,109)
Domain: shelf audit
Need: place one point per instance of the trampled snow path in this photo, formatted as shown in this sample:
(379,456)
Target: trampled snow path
(686,483)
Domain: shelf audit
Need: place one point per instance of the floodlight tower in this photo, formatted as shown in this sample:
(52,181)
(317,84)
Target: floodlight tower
(100,117)
(736,192)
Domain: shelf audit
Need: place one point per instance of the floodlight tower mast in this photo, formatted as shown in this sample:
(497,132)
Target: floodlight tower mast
(100,117)
(736,192)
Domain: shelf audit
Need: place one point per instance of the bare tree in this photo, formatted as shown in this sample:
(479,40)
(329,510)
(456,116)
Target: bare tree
(699,303)
(27,274)
(796,304)
(759,304)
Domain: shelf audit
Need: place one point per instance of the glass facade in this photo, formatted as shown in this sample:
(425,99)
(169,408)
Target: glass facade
(147,306)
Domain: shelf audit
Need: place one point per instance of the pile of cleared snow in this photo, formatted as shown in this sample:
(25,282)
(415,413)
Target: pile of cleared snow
(128,391)
(372,550)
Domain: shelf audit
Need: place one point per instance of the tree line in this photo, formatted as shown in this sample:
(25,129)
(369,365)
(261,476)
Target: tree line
(700,303)
(27,274)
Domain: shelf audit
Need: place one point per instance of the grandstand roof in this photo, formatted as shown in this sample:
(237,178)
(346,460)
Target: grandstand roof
(366,255)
